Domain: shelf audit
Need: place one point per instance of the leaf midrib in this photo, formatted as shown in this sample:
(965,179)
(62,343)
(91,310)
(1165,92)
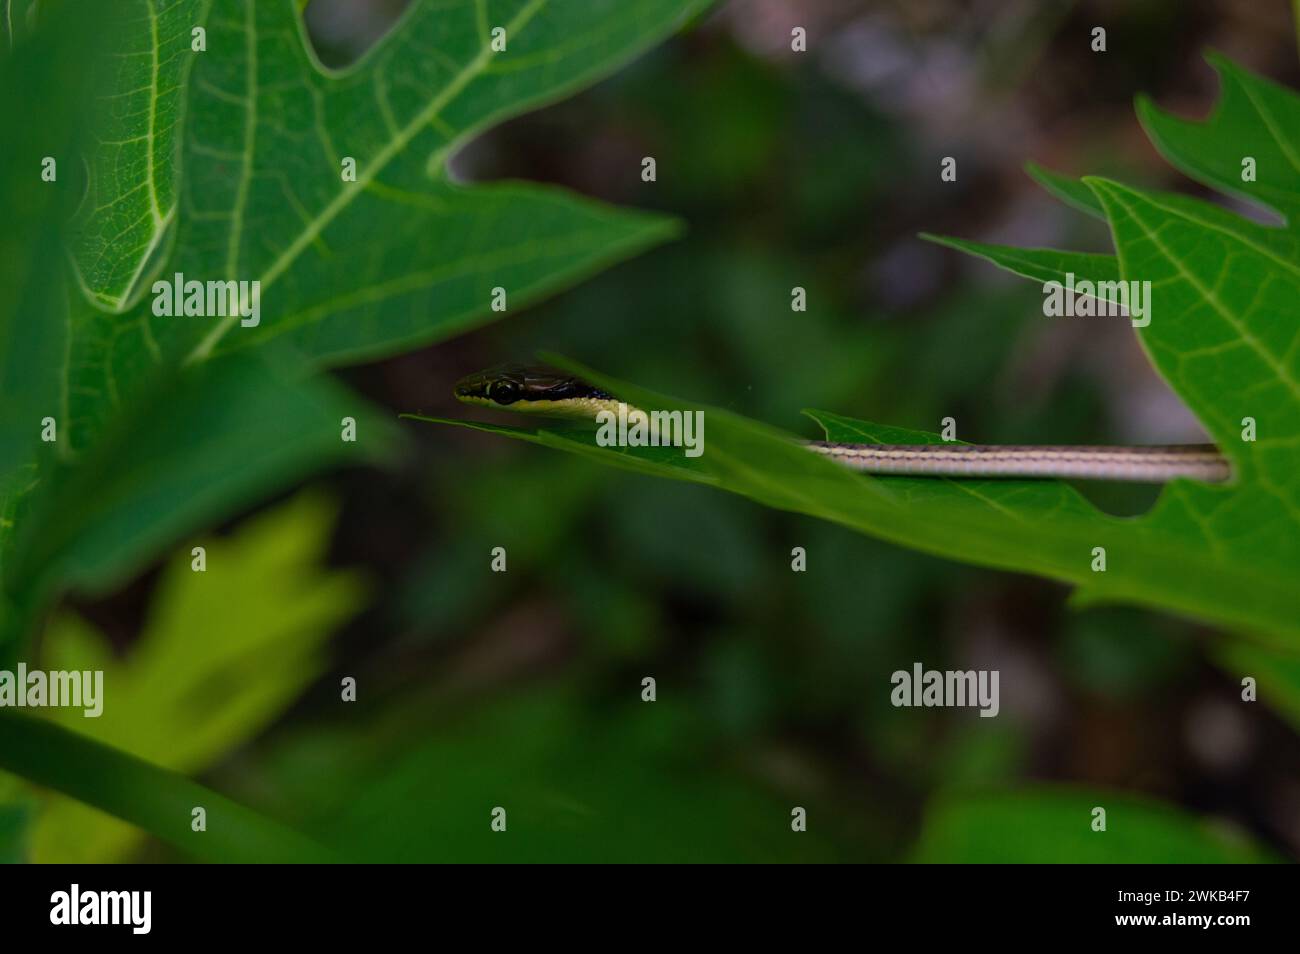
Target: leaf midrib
(153,116)
(161,220)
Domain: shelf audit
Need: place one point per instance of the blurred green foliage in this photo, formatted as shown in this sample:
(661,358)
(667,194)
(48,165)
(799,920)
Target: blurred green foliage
(1052,825)
(223,652)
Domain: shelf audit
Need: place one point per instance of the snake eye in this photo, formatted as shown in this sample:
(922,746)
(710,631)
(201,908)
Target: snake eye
(504,392)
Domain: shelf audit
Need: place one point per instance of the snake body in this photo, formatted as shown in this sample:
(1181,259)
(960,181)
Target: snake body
(1083,462)
(537,390)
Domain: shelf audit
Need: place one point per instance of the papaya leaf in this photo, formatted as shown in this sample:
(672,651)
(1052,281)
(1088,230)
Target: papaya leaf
(1255,120)
(1044,264)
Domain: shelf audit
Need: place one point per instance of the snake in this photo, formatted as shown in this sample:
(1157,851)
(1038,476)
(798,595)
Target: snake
(534,389)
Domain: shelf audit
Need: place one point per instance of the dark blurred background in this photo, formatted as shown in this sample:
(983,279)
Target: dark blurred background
(815,169)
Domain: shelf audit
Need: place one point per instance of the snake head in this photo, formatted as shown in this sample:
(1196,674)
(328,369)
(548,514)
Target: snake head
(531,388)
(500,386)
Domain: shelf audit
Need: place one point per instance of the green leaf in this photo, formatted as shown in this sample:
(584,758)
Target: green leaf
(1048,825)
(222,653)
(1071,191)
(36,97)
(1168,559)
(217,438)
(396,255)
(1225,339)
(1049,264)
(131,191)
(1225,334)
(1254,118)
(1043,264)
(149,797)
(43,93)
(17,20)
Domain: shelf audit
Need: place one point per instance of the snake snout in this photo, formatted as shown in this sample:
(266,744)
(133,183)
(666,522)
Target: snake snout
(468,388)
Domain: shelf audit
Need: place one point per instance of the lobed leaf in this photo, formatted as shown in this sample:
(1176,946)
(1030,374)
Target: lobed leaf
(329,188)
(1254,119)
